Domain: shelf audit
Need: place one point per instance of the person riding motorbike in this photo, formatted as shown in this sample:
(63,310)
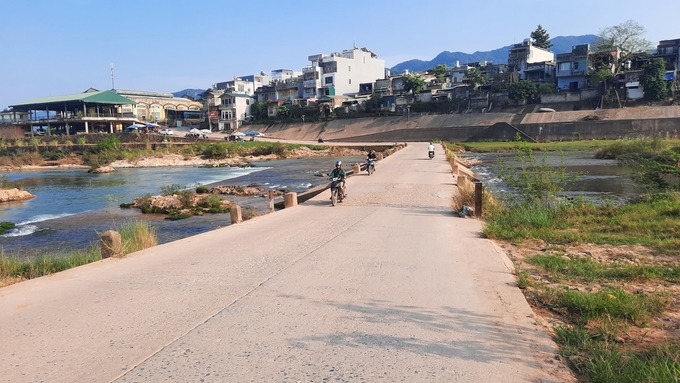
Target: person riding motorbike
(430,150)
(338,172)
(372,156)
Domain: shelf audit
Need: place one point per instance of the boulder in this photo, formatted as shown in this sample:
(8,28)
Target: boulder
(102,169)
(15,194)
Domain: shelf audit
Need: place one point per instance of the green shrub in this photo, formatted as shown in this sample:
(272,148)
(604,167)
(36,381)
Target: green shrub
(6,183)
(169,190)
(175,216)
(201,189)
(186,198)
(4,226)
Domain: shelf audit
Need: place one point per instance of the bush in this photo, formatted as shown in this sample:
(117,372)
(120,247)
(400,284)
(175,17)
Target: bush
(201,189)
(621,147)
(4,226)
(169,190)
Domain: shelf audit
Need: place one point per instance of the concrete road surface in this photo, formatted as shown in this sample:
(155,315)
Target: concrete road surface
(388,286)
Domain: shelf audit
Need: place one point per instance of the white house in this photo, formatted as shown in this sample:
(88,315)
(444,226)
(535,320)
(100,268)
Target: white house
(233,109)
(341,73)
(525,53)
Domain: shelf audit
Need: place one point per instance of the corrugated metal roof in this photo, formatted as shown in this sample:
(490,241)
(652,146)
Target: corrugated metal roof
(103,97)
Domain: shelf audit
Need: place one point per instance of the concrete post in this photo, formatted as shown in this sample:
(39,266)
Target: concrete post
(236,214)
(111,244)
(289,200)
(478,199)
(356,168)
(271,201)
(379,156)
(454,170)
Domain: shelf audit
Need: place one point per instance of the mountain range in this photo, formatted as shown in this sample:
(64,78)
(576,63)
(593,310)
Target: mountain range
(561,44)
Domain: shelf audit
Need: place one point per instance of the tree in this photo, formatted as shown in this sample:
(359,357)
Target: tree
(523,90)
(413,83)
(475,78)
(373,104)
(438,71)
(541,38)
(259,110)
(547,88)
(652,80)
(283,111)
(601,76)
(622,42)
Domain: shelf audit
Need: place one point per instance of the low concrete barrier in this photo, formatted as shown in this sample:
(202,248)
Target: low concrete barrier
(111,244)
(236,214)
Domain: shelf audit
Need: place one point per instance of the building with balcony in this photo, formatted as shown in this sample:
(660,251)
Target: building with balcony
(525,53)
(233,109)
(571,69)
(244,84)
(341,73)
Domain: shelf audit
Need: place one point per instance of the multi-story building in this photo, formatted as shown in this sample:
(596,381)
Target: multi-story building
(284,74)
(571,68)
(523,54)
(233,109)
(341,73)
(244,84)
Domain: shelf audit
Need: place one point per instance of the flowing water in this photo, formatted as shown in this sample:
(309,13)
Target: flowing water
(72,206)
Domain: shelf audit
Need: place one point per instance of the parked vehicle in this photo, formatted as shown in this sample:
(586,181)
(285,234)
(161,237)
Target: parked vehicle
(166,132)
(336,192)
(370,165)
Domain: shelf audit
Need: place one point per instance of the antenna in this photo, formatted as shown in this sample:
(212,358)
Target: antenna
(113,86)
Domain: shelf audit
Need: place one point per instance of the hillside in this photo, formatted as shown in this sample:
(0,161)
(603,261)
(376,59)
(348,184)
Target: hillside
(561,44)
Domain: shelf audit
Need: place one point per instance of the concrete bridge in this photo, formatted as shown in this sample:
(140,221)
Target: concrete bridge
(387,286)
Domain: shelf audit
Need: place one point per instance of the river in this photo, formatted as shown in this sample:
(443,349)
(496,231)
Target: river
(597,179)
(72,206)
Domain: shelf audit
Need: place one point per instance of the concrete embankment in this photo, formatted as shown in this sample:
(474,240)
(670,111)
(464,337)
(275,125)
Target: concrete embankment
(645,121)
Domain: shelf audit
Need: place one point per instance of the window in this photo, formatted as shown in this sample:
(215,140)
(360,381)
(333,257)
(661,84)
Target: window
(329,81)
(576,65)
(349,68)
(350,80)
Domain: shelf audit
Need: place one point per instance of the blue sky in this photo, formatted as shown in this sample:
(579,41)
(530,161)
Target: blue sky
(56,47)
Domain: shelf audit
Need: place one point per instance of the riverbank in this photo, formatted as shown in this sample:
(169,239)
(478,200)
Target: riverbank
(604,278)
(230,157)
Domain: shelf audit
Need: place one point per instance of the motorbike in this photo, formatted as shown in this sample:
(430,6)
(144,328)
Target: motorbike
(336,192)
(370,165)
(430,154)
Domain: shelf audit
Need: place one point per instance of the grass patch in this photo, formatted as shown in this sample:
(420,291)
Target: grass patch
(653,222)
(567,146)
(611,302)
(12,267)
(135,236)
(621,147)
(583,269)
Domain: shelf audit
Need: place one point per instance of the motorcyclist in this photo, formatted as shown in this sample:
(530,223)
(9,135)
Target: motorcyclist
(372,156)
(339,173)
(430,150)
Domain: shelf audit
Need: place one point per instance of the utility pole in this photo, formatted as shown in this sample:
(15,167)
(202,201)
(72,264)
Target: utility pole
(113,86)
